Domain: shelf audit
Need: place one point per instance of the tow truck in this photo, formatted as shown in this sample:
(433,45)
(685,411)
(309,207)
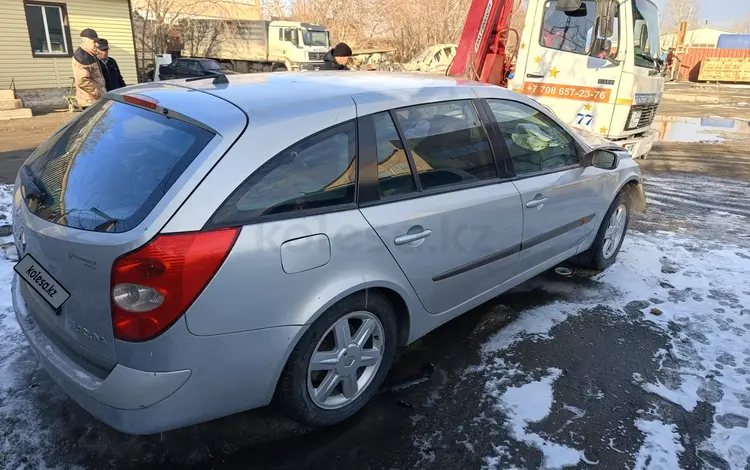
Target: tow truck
(594,63)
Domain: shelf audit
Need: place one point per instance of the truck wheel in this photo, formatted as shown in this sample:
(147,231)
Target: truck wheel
(340,362)
(279,68)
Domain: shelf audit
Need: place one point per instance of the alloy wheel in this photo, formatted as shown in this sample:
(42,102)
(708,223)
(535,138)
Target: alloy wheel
(345,360)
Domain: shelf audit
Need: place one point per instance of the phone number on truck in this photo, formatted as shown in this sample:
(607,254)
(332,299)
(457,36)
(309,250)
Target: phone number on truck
(572,92)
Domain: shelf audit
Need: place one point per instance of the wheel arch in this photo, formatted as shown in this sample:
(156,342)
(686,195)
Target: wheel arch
(632,190)
(395,294)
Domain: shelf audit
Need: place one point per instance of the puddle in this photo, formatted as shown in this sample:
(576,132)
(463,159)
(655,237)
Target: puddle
(685,129)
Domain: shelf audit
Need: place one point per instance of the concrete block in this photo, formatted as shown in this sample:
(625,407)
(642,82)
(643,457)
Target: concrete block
(7,95)
(15,114)
(10,104)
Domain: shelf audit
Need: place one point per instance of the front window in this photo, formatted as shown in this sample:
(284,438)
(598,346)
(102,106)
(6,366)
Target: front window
(535,143)
(646,33)
(573,31)
(315,38)
(568,31)
(47,24)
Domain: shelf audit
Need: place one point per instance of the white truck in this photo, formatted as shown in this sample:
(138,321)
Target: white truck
(597,67)
(264,46)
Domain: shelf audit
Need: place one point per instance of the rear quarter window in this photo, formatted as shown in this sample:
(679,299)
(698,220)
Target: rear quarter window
(108,169)
(316,174)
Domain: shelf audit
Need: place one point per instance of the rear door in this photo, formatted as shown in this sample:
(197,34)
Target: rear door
(99,188)
(437,201)
(561,199)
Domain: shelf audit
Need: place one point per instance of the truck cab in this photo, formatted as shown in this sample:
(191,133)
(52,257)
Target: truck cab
(596,65)
(302,46)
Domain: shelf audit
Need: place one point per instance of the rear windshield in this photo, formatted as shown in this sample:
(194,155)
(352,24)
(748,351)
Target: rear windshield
(108,169)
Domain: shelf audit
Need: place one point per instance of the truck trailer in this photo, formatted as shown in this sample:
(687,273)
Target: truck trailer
(265,46)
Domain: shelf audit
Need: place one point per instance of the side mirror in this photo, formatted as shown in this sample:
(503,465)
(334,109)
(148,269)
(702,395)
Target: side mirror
(581,12)
(568,5)
(603,159)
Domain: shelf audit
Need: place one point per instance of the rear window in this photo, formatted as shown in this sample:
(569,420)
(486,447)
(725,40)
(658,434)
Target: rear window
(108,169)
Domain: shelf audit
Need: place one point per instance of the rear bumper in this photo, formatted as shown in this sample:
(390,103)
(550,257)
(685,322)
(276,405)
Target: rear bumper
(143,402)
(639,146)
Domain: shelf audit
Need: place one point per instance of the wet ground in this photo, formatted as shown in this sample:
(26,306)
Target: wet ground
(594,347)
(587,350)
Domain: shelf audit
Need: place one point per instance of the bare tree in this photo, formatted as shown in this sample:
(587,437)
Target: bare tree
(742,27)
(678,11)
(158,24)
(271,9)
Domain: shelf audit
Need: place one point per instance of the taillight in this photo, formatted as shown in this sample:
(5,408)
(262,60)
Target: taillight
(153,286)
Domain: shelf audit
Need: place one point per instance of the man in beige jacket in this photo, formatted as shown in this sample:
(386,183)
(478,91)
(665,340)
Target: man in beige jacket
(87,70)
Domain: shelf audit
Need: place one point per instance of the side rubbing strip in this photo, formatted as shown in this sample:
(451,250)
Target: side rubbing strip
(531,242)
(497,256)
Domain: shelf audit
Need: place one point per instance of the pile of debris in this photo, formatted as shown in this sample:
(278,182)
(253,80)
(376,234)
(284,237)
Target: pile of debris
(434,59)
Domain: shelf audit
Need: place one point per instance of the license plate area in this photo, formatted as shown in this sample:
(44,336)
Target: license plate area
(42,282)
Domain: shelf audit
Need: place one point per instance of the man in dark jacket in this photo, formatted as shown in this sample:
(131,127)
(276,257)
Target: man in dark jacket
(111,70)
(337,58)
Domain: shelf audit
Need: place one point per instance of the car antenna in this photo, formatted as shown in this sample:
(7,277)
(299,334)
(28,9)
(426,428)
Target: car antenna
(219,78)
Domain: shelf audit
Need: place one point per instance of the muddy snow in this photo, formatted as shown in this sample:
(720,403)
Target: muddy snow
(682,286)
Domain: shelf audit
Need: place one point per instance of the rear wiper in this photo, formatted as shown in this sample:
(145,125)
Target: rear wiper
(106,226)
(32,187)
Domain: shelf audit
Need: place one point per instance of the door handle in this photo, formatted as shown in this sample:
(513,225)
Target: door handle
(536,203)
(412,237)
(534,75)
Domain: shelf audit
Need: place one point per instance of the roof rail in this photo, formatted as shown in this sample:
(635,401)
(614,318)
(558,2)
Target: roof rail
(219,78)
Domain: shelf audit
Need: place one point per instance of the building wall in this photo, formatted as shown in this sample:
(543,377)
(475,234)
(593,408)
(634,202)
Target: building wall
(110,19)
(702,37)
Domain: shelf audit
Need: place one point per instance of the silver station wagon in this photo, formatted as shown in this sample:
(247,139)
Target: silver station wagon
(196,248)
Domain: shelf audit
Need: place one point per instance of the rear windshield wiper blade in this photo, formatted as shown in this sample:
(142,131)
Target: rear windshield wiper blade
(109,224)
(32,187)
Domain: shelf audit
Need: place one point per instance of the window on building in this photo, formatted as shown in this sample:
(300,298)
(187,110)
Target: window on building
(47,24)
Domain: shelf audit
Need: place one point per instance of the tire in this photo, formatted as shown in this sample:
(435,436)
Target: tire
(299,385)
(601,255)
(279,68)
(171,77)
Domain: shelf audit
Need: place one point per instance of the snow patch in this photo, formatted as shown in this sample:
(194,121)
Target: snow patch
(661,447)
(531,403)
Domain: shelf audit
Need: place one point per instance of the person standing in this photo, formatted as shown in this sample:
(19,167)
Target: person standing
(337,58)
(112,76)
(87,70)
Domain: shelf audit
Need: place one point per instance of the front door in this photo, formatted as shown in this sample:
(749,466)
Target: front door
(556,69)
(561,200)
(450,222)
